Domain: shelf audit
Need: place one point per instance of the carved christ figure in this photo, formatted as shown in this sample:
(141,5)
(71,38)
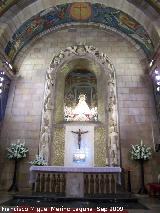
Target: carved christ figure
(79,133)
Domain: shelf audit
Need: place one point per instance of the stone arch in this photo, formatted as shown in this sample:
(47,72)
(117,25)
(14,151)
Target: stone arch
(111,102)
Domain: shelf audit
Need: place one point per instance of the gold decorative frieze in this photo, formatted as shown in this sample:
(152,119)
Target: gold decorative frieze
(100,147)
(58,147)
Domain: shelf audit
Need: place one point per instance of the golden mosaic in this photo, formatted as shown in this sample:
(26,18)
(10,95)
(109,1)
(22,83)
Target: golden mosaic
(100,147)
(58,147)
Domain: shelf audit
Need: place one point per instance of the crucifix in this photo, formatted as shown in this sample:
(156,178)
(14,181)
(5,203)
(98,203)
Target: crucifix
(79,133)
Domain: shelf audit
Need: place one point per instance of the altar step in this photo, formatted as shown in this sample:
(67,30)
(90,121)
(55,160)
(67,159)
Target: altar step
(50,198)
(122,197)
(123,200)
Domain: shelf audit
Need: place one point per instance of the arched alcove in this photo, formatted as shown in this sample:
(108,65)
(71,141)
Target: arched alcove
(85,65)
(105,135)
(80,96)
(77,82)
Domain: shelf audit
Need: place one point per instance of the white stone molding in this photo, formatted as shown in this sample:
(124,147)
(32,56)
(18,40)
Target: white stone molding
(67,54)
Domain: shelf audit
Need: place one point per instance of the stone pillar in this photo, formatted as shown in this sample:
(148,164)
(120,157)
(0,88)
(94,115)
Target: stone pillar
(113,136)
(46,125)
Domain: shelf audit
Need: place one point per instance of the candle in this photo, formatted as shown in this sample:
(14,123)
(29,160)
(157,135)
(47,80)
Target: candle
(141,142)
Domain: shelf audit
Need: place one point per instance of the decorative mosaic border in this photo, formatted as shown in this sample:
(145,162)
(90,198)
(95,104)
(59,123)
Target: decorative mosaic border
(6,4)
(71,13)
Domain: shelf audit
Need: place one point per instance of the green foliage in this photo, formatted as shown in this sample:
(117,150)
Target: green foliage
(39,161)
(140,152)
(17,151)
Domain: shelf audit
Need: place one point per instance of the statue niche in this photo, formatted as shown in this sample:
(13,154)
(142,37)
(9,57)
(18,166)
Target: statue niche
(80,101)
(80,84)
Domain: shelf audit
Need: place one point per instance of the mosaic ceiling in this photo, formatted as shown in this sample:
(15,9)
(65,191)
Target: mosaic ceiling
(6,4)
(71,13)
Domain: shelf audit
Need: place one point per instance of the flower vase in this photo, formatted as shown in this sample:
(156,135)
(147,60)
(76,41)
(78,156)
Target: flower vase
(14,187)
(142,189)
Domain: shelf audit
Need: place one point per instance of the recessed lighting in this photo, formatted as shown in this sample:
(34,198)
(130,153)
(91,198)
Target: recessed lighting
(158,77)
(151,63)
(156,72)
(10,66)
(158,83)
(158,89)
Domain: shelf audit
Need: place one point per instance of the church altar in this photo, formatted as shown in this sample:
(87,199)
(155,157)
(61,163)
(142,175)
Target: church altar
(75,181)
(52,169)
(79,135)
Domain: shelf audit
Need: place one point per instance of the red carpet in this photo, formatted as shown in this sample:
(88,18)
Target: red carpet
(65,210)
(154,188)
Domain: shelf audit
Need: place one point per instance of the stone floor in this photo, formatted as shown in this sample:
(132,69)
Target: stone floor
(153,203)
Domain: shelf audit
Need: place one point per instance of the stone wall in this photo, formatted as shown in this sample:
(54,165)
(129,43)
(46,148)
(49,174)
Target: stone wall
(23,113)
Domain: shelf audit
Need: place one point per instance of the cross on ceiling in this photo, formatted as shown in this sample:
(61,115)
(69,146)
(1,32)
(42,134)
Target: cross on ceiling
(81,8)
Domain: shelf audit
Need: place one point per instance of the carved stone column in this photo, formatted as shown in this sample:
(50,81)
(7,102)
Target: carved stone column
(113,136)
(46,125)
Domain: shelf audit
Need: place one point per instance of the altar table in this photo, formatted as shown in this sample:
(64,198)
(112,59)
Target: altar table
(75,181)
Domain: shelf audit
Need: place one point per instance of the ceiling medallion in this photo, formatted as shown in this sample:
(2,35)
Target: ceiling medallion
(80,11)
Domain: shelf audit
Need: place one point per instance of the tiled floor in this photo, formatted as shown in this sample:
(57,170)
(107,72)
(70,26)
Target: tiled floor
(151,202)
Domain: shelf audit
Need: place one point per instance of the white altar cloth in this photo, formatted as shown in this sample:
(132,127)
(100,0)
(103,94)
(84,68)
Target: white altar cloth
(36,169)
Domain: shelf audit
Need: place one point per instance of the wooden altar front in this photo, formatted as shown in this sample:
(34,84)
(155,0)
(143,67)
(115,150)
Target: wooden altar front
(75,182)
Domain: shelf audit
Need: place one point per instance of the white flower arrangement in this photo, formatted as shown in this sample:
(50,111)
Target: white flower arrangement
(140,152)
(17,151)
(39,161)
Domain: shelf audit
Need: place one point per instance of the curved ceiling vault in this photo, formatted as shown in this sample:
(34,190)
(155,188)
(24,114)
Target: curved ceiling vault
(76,13)
(144,5)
